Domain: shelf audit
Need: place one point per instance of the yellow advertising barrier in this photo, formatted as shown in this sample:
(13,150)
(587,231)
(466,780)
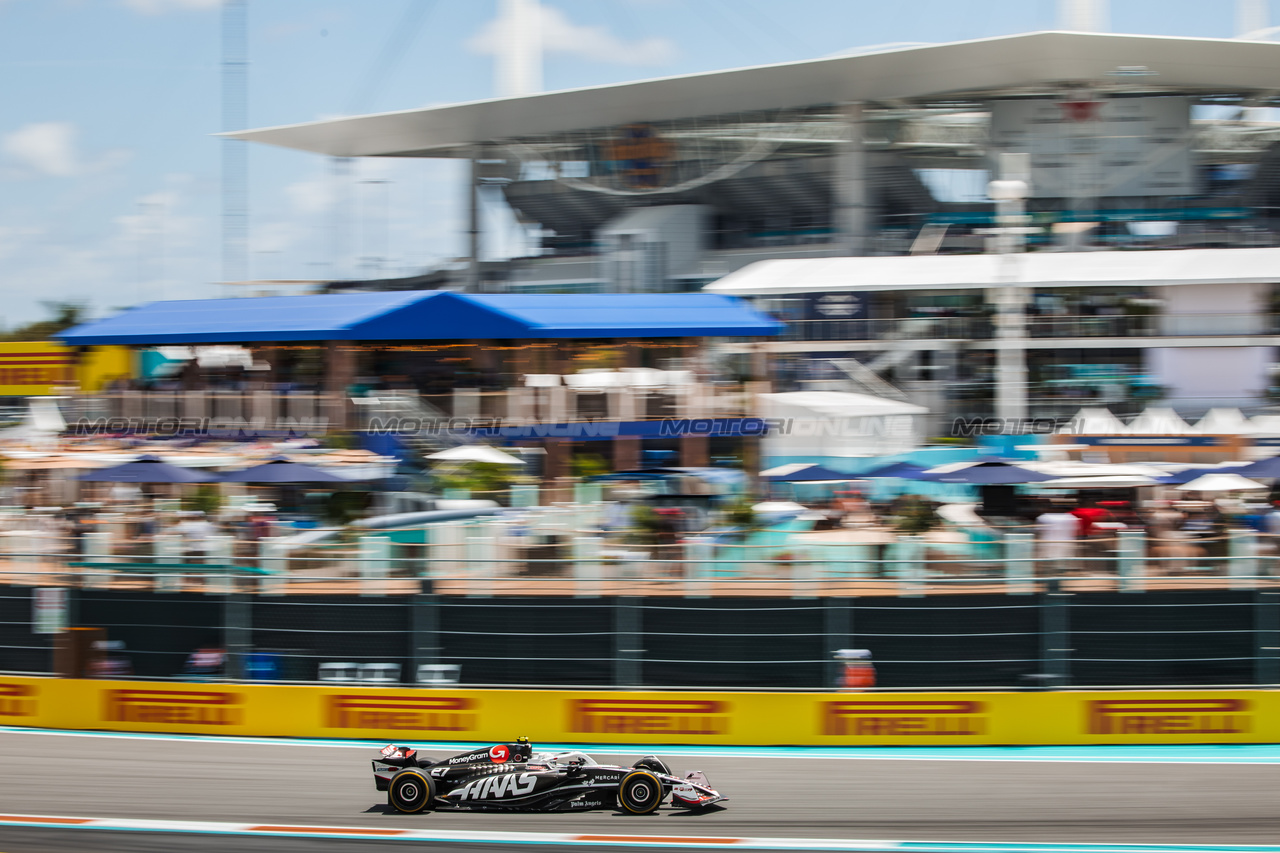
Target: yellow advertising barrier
(577,716)
(44,368)
(35,368)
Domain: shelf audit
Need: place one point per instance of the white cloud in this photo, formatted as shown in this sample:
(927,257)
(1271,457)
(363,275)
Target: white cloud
(561,35)
(158,218)
(159,7)
(46,147)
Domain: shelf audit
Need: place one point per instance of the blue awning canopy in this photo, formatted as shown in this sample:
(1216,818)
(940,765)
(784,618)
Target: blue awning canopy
(426,315)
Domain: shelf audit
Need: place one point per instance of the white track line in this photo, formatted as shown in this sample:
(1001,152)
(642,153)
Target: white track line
(1262,753)
(600,840)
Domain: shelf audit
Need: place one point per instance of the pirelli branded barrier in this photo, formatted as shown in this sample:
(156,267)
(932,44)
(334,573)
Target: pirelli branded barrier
(861,719)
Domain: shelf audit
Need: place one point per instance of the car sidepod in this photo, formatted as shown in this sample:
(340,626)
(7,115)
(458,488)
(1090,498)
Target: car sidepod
(535,788)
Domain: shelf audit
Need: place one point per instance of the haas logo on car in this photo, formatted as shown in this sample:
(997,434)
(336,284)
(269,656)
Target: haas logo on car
(494,787)
(499,754)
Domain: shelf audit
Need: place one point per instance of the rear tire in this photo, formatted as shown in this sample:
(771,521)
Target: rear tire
(411,792)
(640,792)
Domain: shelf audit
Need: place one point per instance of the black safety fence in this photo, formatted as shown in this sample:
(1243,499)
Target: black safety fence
(1047,636)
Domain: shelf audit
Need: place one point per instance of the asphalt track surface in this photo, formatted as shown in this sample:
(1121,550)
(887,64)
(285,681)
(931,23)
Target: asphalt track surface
(785,797)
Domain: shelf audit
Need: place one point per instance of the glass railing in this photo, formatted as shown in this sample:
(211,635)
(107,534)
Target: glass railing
(1037,326)
(908,328)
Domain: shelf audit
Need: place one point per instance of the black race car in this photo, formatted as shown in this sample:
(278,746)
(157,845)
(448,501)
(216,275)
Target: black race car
(510,777)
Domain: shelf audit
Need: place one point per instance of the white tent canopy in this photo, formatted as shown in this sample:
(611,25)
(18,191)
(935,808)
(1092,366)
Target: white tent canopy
(837,423)
(1216,482)
(1163,421)
(1224,422)
(1095,421)
(1158,421)
(476,453)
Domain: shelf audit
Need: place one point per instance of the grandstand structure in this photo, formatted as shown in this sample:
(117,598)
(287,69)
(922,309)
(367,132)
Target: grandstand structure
(836,192)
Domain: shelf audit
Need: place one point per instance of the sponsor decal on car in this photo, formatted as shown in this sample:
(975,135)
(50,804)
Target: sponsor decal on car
(648,716)
(17,700)
(587,804)
(201,708)
(499,754)
(1207,716)
(399,713)
(930,718)
(497,787)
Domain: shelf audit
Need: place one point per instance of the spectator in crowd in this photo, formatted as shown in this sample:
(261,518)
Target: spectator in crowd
(196,531)
(1057,533)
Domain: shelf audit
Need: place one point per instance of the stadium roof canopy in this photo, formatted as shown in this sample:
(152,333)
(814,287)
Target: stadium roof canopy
(1035,269)
(1019,65)
(426,315)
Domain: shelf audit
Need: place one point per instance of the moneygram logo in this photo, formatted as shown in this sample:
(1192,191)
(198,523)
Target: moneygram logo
(903,718)
(173,707)
(17,700)
(648,717)
(1168,717)
(400,713)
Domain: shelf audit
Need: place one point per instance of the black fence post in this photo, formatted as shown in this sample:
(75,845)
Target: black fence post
(838,630)
(237,628)
(628,635)
(1266,626)
(424,633)
(1055,635)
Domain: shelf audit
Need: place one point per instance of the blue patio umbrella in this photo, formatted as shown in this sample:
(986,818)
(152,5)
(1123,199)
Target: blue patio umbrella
(149,469)
(809,474)
(984,472)
(1186,475)
(283,470)
(1267,469)
(904,470)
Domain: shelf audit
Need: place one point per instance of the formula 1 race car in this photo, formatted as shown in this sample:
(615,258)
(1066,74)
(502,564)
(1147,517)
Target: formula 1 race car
(510,777)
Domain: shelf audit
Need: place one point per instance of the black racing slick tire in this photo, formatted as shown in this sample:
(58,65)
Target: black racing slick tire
(411,791)
(639,792)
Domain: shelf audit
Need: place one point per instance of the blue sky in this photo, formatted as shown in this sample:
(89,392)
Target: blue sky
(110,175)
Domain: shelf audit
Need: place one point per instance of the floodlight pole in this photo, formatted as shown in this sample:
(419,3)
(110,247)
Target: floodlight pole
(1010,192)
(473,223)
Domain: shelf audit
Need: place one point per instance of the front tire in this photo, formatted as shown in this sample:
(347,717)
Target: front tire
(411,792)
(640,792)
